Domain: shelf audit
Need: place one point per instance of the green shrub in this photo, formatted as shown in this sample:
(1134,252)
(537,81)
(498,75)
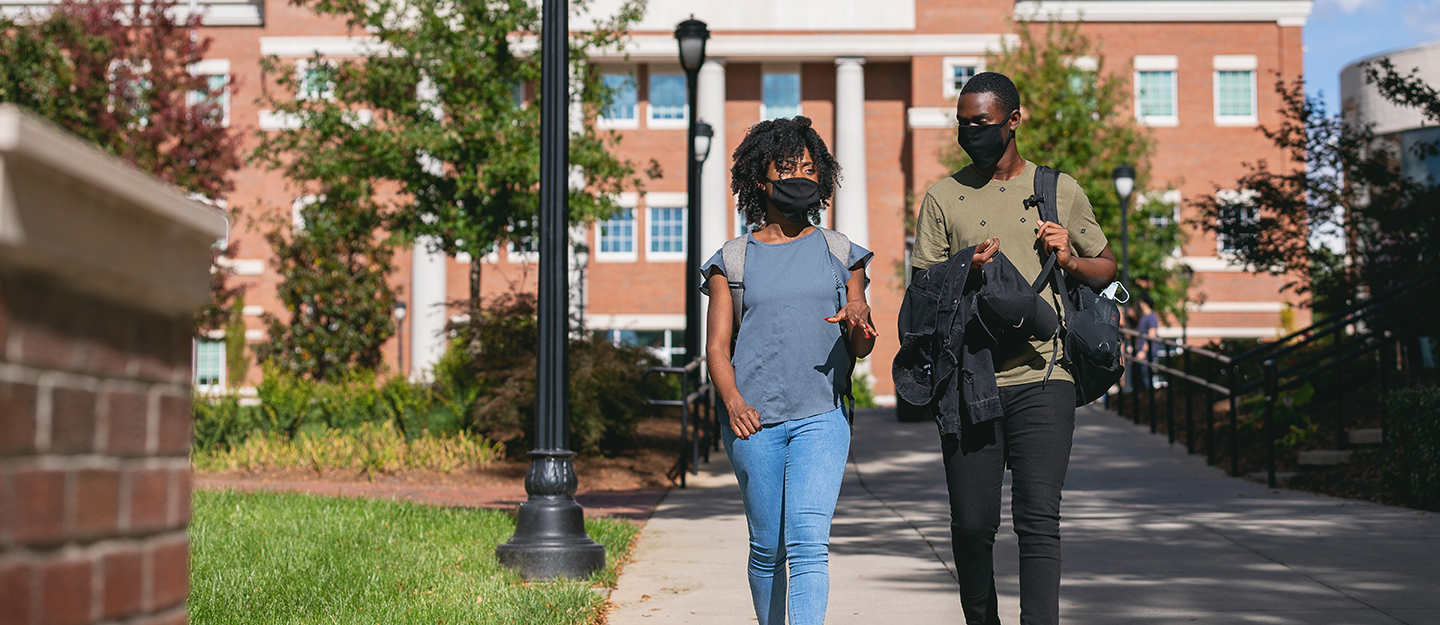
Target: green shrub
(221,422)
(1293,426)
(1412,453)
(862,389)
(371,447)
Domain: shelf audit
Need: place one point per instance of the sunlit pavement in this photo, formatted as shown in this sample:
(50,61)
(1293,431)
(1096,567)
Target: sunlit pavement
(1151,535)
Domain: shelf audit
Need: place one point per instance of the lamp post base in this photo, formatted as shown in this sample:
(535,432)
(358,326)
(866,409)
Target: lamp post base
(550,541)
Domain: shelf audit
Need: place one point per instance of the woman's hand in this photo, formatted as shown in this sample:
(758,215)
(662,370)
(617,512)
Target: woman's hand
(856,314)
(744,420)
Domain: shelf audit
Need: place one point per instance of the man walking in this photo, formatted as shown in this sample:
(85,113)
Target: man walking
(984,205)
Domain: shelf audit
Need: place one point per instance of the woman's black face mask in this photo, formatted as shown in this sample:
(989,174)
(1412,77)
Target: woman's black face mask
(794,197)
(985,143)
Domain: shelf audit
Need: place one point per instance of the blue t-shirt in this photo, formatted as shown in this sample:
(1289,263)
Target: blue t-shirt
(790,363)
(1150,321)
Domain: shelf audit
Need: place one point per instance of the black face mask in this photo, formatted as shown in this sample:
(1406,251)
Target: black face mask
(985,144)
(794,197)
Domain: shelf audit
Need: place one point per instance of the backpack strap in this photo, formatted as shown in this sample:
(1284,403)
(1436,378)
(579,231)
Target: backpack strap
(733,255)
(839,245)
(1047,185)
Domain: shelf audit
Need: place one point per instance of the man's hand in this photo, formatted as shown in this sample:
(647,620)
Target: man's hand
(856,314)
(1055,239)
(744,421)
(984,253)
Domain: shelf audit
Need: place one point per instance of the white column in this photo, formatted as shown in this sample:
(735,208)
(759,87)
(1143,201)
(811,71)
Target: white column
(427,308)
(852,215)
(715,213)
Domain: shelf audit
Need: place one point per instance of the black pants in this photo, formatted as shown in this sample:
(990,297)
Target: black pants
(1034,439)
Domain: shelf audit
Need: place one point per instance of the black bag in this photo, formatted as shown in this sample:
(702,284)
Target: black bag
(1090,327)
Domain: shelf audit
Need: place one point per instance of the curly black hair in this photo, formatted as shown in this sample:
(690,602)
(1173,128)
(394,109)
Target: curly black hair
(780,141)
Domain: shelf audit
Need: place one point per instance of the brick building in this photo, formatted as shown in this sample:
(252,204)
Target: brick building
(878,79)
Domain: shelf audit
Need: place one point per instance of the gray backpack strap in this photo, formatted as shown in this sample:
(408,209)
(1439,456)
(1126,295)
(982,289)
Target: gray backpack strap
(839,245)
(733,255)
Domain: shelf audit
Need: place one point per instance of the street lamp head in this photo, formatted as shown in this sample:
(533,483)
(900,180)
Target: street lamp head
(703,134)
(582,255)
(400,310)
(1124,181)
(692,34)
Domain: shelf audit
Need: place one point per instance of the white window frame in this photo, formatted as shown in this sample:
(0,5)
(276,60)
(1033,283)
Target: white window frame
(628,201)
(1230,196)
(514,256)
(667,200)
(1237,63)
(219,384)
(621,124)
(664,124)
(782,68)
(213,67)
(1159,63)
(947,69)
(297,219)
(301,67)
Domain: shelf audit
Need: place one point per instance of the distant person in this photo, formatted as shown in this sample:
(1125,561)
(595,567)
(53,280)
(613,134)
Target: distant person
(803,319)
(1148,326)
(978,209)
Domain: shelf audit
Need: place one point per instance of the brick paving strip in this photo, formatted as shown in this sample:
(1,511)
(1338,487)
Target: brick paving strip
(635,504)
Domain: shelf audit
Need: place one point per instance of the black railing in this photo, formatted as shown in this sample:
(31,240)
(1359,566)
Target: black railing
(1266,370)
(699,426)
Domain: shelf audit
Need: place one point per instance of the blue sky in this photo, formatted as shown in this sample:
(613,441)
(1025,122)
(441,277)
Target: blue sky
(1343,31)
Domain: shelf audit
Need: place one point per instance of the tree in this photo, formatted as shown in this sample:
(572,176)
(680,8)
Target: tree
(1075,121)
(333,266)
(1343,183)
(118,74)
(449,130)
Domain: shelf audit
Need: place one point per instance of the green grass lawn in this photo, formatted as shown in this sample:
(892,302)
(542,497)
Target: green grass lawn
(288,558)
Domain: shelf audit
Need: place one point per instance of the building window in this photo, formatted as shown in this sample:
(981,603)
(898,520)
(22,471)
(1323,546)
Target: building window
(1238,216)
(621,111)
(667,234)
(1235,90)
(958,70)
(616,236)
(667,101)
(216,74)
(665,344)
(314,80)
(524,248)
(209,364)
(780,94)
(1155,98)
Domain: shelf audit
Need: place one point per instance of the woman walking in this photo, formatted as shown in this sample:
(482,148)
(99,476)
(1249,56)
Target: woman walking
(782,372)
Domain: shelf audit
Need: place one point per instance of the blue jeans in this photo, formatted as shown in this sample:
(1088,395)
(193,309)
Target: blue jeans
(790,477)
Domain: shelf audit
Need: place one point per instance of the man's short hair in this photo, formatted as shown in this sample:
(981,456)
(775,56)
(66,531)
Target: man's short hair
(998,84)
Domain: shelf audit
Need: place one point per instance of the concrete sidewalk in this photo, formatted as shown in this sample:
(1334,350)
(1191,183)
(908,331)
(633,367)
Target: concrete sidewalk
(1150,536)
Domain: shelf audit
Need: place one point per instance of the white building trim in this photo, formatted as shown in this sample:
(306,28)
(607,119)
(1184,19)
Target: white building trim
(625,321)
(1237,307)
(1213,264)
(930,117)
(340,46)
(213,12)
(1253,332)
(821,47)
(1282,12)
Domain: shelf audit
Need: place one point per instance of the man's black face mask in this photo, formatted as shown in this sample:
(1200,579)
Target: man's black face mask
(985,143)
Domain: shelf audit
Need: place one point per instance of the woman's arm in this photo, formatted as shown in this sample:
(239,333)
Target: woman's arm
(720,327)
(854,318)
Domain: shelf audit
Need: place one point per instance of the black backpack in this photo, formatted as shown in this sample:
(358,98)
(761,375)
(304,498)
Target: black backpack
(1090,327)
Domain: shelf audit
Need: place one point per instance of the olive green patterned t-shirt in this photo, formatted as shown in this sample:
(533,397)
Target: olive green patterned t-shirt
(965,209)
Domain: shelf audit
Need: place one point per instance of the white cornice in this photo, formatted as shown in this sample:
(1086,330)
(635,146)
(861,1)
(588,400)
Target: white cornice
(215,12)
(328,46)
(930,117)
(1283,12)
(816,47)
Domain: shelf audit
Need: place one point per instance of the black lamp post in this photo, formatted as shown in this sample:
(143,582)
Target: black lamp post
(550,541)
(691,35)
(400,337)
(1124,176)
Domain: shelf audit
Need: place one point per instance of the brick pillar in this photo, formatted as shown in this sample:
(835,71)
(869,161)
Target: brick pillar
(101,270)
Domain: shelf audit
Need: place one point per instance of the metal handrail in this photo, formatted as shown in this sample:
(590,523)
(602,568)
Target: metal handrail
(1224,377)
(693,449)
